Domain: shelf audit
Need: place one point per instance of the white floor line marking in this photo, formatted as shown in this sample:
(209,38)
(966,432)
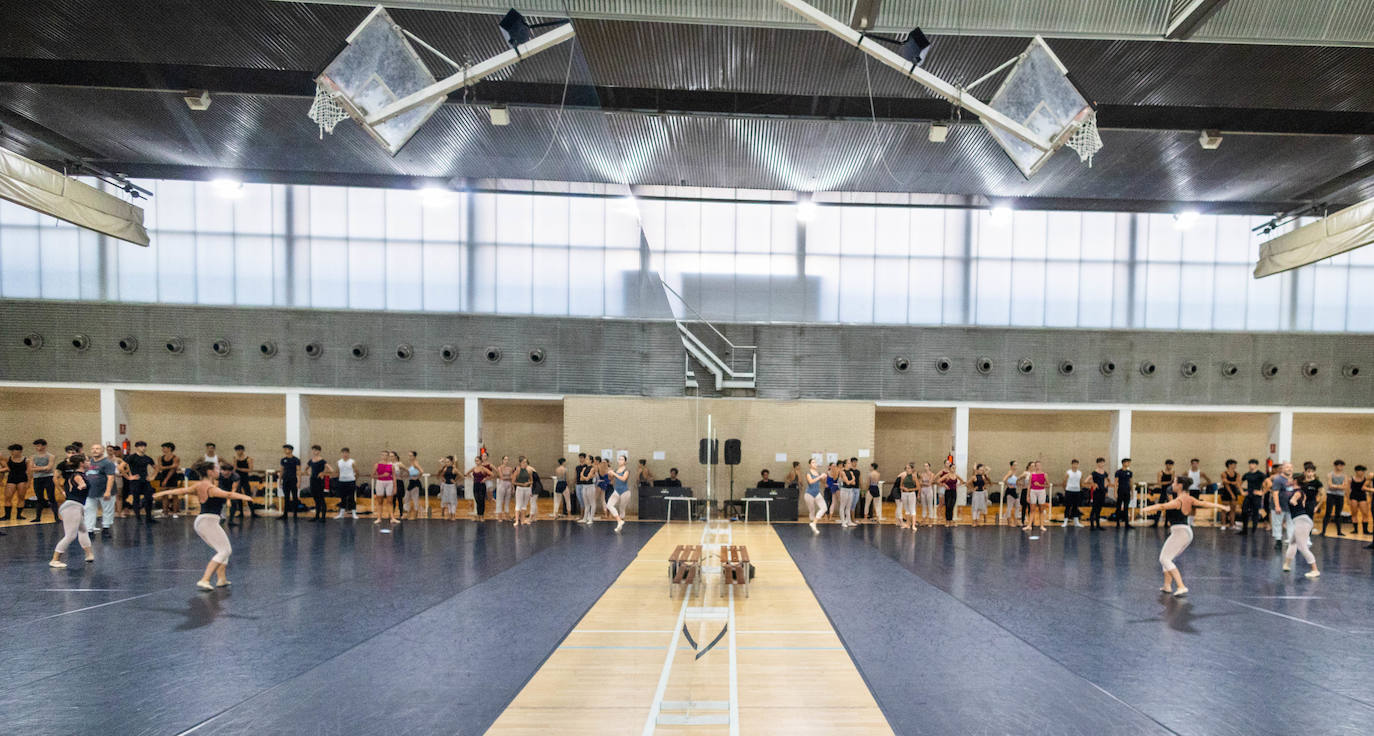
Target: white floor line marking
(657,705)
(1284,615)
(98,605)
(621,631)
(80,590)
(815,631)
(734,670)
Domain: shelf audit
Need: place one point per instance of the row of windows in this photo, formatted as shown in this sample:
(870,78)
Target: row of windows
(376,249)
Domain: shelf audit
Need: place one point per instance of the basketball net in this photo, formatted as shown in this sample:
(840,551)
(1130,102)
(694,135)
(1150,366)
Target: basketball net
(325,111)
(1085,141)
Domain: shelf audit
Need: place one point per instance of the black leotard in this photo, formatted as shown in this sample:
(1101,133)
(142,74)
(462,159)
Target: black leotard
(19,471)
(212,505)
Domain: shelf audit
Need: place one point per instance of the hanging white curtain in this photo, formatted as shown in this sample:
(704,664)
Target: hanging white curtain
(1346,230)
(33,185)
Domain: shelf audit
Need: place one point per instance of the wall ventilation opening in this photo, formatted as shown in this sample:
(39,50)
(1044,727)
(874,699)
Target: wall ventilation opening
(537,356)
(942,365)
(81,342)
(128,345)
(448,353)
(1066,368)
(1310,370)
(1188,369)
(1230,370)
(268,349)
(404,352)
(314,350)
(983,365)
(1107,367)
(901,365)
(1025,366)
(174,345)
(1350,371)
(33,341)
(493,355)
(1147,368)
(1269,370)
(358,351)
(221,347)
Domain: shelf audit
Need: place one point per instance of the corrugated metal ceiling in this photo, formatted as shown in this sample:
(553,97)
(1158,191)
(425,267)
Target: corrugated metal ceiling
(1322,22)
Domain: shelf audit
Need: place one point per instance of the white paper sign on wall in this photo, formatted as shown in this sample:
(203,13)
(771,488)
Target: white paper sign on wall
(660,455)
(606,454)
(780,457)
(863,453)
(832,457)
(574,448)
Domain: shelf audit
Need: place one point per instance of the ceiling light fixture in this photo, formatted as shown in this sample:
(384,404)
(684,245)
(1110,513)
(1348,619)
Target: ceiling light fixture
(1185,220)
(1209,139)
(227,187)
(938,132)
(806,209)
(499,115)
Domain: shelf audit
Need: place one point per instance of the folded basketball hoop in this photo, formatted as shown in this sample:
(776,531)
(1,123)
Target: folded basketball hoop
(1038,93)
(381,82)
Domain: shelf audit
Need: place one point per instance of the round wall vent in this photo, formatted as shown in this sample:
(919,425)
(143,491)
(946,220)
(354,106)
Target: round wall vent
(1066,368)
(358,351)
(1188,369)
(1147,368)
(942,365)
(1025,365)
(221,347)
(268,349)
(493,355)
(448,353)
(983,365)
(128,345)
(404,352)
(174,345)
(537,356)
(314,350)
(900,364)
(33,341)
(81,342)
(1107,367)
(1230,370)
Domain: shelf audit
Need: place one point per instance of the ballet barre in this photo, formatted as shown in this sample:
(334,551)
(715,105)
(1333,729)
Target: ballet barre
(424,494)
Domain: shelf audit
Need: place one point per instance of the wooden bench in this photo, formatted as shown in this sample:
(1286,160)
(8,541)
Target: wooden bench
(734,567)
(684,566)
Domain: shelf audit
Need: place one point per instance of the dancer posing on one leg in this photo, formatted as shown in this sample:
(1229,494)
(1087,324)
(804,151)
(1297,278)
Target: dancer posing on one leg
(1302,507)
(211,497)
(72,512)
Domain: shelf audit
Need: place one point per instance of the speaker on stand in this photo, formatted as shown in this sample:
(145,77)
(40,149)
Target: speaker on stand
(732,456)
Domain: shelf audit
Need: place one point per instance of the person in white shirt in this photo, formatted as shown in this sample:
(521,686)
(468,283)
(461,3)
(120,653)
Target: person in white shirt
(348,485)
(1073,494)
(211,455)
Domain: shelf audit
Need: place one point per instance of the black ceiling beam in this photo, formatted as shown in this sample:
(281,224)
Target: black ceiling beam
(173,78)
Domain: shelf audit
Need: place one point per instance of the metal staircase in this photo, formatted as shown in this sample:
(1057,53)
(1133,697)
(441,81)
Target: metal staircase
(738,370)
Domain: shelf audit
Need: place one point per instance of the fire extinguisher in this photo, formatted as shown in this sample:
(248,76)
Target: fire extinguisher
(1269,466)
(482,453)
(125,445)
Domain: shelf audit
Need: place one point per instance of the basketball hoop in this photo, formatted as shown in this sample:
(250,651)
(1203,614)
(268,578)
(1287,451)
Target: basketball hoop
(1085,141)
(325,111)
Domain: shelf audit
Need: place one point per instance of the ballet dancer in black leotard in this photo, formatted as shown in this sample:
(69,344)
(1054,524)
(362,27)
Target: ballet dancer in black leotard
(1176,512)
(211,488)
(72,512)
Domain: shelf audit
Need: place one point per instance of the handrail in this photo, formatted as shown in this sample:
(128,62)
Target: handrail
(702,318)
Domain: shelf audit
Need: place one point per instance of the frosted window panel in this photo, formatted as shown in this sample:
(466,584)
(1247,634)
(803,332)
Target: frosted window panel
(407,210)
(13,214)
(991,292)
(856,288)
(1199,242)
(823,234)
(784,229)
(929,235)
(514,219)
(443,223)
(1305,283)
(753,264)
(1065,236)
(404,284)
(89,248)
(890,279)
(893,232)
(1195,296)
(1095,292)
(214,269)
(992,237)
(1162,241)
(1235,243)
(253,277)
(754,228)
(214,211)
(442,277)
(19,262)
(587,220)
(825,281)
(484,217)
(1329,297)
(925,291)
(514,265)
(175,206)
(857,231)
(256,211)
(61,262)
(620,265)
(327,209)
(136,268)
(366,274)
(718,227)
(280,286)
(1363,256)
(1359,314)
(483,278)
(1028,293)
(784,265)
(366,213)
(1098,239)
(1061,297)
(682,227)
(622,227)
(1028,234)
(586,276)
(1161,296)
(549,281)
(550,220)
(176,267)
(1228,297)
(1122,295)
(954,310)
(1264,303)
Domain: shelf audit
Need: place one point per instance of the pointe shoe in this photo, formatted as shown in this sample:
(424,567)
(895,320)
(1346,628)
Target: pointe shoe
(814,529)
(1313,574)
(223,584)
(201,584)
(1180,592)
(90,557)
(1287,567)
(58,564)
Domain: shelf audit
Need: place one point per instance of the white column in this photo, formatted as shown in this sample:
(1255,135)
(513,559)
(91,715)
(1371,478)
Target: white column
(1281,436)
(472,434)
(961,448)
(1121,438)
(114,416)
(298,422)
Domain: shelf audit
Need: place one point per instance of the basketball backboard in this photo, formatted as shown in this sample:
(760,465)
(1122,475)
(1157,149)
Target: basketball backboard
(1038,93)
(376,68)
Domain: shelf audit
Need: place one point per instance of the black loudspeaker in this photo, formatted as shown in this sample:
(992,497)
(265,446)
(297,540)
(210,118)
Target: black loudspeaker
(732,452)
(715,452)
